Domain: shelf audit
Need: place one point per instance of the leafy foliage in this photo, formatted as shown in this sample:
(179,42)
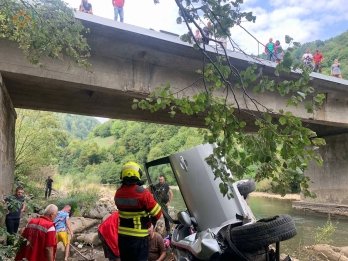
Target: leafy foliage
(43,28)
(282,147)
(39,141)
(78,126)
(325,233)
(131,141)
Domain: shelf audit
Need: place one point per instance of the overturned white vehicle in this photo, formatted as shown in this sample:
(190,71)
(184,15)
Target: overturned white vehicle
(214,227)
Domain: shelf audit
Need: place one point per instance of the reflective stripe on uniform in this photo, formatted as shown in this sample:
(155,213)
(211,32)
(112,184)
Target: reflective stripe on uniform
(133,232)
(38,227)
(127,202)
(137,222)
(126,214)
(156,209)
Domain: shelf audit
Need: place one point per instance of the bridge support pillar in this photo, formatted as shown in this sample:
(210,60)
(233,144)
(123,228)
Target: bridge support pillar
(7,140)
(330,180)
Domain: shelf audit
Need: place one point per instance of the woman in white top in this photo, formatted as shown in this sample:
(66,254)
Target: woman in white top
(335,69)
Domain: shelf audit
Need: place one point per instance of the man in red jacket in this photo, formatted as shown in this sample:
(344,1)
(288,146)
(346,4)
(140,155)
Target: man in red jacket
(136,207)
(108,234)
(40,235)
(118,9)
(318,59)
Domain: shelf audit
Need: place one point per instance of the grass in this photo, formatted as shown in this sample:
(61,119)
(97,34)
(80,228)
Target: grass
(104,142)
(77,190)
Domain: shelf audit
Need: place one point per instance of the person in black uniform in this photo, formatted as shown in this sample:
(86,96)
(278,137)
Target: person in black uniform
(164,195)
(48,189)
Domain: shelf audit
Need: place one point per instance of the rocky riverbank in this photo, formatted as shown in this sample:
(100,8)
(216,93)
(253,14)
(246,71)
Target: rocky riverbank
(297,203)
(277,196)
(325,208)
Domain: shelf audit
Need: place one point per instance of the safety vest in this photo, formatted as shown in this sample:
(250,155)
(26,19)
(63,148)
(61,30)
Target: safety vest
(135,206)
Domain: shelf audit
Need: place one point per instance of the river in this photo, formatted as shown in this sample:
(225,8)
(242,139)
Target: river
(306,222)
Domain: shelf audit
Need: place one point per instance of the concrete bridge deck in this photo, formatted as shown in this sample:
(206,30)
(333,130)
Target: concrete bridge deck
(128,62)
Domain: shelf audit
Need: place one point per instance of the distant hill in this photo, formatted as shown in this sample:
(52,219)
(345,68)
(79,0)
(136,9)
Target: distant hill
(78,126)
(333,48)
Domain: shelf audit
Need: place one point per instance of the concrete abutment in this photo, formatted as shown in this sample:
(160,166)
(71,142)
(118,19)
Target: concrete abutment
(330,181)
(7,140)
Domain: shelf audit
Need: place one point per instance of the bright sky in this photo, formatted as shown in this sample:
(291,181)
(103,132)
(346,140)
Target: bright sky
(304,20)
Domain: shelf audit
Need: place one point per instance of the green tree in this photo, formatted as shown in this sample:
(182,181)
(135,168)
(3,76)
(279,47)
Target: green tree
(39,140)
(77,125)
(43,28)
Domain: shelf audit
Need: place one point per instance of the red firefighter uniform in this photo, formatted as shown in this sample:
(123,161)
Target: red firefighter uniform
(136,205)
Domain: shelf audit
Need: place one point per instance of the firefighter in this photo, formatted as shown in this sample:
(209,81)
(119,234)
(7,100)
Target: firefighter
(137,208)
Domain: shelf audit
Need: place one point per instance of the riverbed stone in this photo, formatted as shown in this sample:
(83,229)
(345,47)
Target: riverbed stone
(329,253)
(90,238)
(80,224)
(102,208)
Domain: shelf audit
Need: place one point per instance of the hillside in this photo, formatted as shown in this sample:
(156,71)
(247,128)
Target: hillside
(333,48)
(78,126)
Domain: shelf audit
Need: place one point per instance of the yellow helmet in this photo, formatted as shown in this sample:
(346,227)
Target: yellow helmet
(131,170)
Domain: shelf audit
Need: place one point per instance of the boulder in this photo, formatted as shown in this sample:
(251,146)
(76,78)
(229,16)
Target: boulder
(80,224)
(330,253)
(103,207)
(90,238)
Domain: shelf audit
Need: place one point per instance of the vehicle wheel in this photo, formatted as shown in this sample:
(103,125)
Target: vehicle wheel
(263,233)
(246,187)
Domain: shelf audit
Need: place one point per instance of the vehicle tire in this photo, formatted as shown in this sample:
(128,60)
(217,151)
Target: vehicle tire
(263,233)
(246,187)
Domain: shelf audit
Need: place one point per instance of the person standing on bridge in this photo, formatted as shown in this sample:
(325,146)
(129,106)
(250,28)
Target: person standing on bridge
(269,50)
(86,7)
(336,69)
(278,52)
(318,59)
(118,9)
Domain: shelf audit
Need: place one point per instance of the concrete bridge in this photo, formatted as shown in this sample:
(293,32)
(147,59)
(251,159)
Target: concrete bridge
(128,62)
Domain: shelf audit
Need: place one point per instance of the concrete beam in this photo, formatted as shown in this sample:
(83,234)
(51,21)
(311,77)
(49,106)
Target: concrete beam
(329,181)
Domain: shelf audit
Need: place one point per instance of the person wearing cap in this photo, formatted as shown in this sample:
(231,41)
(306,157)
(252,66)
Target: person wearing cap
(137,208)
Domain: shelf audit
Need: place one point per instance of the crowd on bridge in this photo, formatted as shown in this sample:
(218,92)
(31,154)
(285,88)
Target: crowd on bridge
(127,234)
(312,61)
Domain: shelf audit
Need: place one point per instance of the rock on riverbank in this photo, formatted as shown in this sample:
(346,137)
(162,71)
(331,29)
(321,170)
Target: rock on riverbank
(324,252)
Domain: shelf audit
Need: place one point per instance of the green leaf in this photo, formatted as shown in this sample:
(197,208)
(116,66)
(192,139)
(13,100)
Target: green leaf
(282,120)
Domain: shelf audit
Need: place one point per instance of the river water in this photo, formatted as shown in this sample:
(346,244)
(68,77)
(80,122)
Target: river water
(306,223)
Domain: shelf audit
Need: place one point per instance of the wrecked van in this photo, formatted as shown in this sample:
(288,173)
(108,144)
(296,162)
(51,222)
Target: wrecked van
(210,226)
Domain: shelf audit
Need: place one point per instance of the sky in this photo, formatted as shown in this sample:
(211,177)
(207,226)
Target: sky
(303,20)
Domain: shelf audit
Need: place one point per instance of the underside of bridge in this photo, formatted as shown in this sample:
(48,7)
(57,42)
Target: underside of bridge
(76,98)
